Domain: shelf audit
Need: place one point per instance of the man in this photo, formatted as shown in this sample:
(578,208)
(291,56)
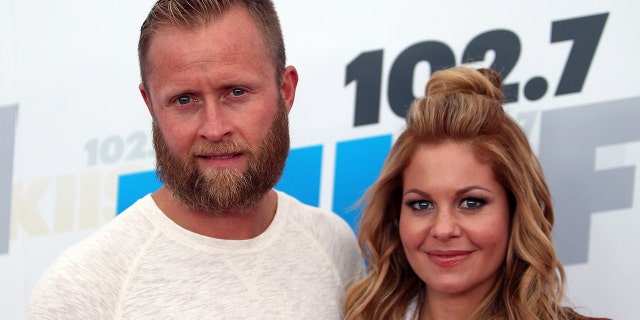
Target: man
(216,241)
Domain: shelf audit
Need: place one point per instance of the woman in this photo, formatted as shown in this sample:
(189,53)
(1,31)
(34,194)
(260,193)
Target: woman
(458,225)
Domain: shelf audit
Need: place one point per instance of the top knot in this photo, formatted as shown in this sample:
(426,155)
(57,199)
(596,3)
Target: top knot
(492,76)
(461,79)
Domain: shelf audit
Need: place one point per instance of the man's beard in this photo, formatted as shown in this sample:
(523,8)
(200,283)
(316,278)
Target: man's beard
(218,190)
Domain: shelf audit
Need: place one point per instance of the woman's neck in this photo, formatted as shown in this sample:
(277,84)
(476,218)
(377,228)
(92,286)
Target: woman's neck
(438,306)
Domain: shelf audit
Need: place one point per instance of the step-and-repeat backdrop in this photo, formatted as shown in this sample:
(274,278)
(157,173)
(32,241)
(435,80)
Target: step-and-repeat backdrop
(75,135)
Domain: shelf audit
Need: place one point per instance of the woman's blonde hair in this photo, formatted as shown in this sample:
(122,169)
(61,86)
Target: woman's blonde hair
(463,105)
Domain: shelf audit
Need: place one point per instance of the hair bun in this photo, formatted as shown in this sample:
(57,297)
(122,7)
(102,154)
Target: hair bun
(493,76)
(465,80)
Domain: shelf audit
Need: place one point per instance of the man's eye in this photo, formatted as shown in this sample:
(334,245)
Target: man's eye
(182,100)
(237,92)
(472,203)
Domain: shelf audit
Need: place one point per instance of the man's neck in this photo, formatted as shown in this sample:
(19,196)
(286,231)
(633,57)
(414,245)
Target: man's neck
(229,225)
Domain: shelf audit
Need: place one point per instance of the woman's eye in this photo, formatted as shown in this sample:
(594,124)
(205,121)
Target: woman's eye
(420,205)
(472,203)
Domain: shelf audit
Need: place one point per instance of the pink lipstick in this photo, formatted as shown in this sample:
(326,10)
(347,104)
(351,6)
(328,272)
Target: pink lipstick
(448,258)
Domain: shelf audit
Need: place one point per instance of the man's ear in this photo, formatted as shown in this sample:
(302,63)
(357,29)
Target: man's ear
(146,97)
(288,86)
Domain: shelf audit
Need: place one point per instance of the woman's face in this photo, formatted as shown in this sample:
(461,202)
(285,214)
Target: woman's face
(454,220)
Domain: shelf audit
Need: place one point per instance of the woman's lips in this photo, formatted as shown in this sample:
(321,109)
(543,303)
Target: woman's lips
(448,258)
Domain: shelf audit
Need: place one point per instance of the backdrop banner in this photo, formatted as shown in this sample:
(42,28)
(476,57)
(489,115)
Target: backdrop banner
(75,147)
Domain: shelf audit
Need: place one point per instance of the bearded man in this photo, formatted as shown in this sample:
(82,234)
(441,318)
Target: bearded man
(216,241)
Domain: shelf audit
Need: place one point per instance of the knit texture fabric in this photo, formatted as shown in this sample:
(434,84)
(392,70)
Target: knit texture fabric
(142,265)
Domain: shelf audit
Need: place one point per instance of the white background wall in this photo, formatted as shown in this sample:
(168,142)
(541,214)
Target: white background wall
(71,68)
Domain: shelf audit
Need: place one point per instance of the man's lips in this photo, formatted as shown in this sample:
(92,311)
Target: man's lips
(220,156)
(221,160)
(448,258)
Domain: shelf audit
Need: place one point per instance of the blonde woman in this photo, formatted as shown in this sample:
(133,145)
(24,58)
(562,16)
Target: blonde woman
(458,225)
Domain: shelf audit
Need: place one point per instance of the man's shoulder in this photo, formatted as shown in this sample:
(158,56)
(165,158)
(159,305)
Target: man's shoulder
(324,226)
(92,268)
(309,215)
(77,283)
(328,231)
(125,230)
